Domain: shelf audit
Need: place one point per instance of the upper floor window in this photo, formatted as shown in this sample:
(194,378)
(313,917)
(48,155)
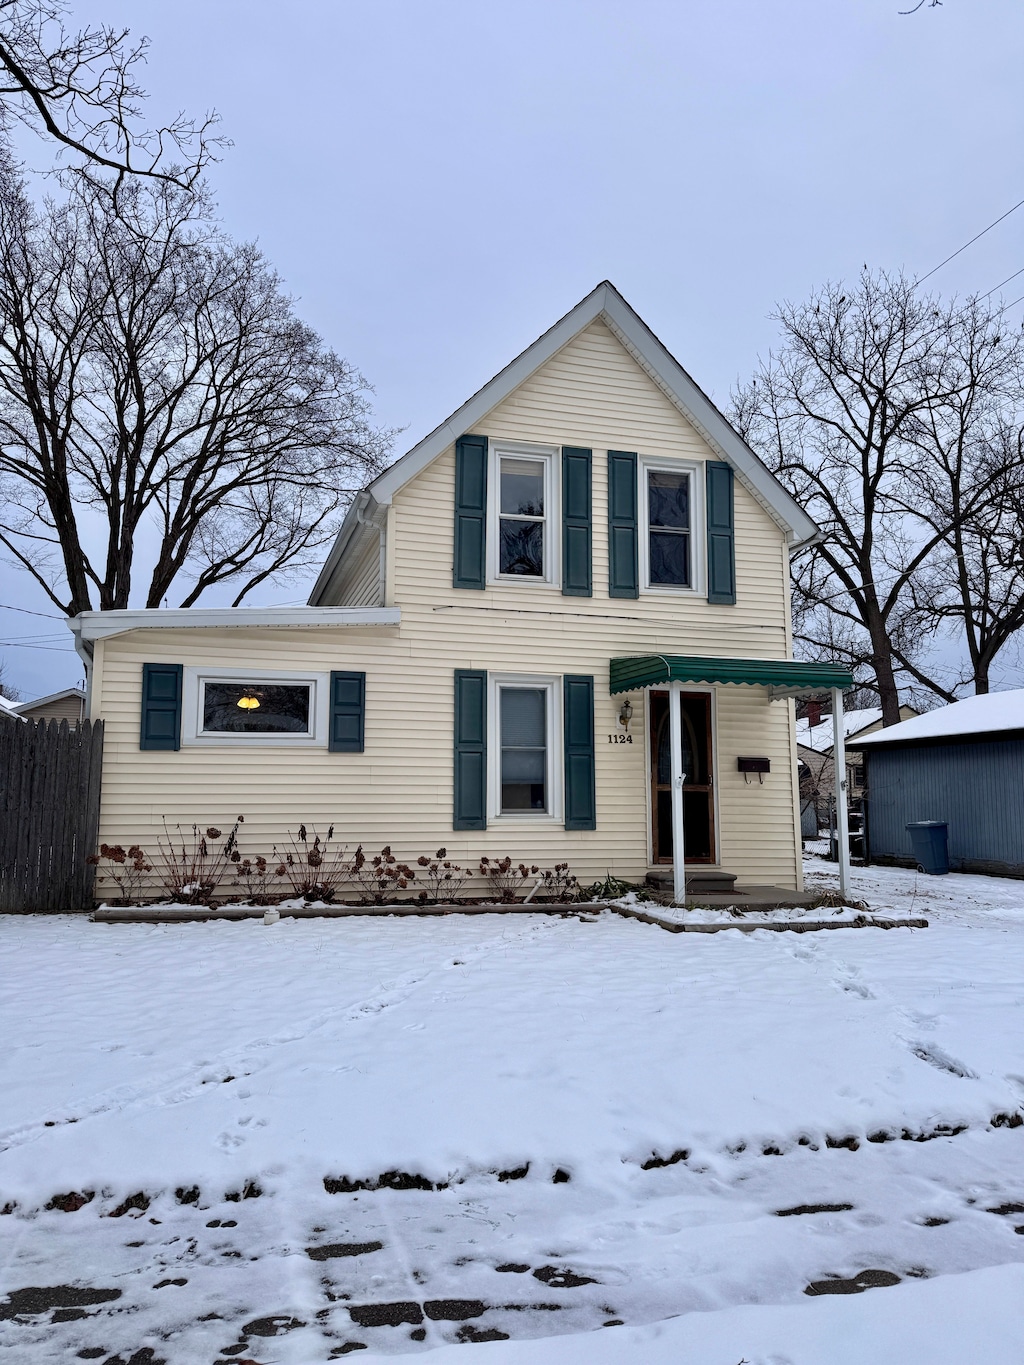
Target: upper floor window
(671,542)
(523,536)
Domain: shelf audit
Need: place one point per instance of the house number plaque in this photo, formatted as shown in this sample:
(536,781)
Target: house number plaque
(620,739)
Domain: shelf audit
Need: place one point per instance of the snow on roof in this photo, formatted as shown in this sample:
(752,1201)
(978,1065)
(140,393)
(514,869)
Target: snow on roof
(819,737)
(8,709)
(986,714)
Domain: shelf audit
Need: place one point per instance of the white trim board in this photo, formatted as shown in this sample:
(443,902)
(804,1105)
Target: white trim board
(99,625)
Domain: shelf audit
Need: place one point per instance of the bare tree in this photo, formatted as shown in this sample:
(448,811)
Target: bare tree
(161,403)
(851,414)
(80,91)
(8,692)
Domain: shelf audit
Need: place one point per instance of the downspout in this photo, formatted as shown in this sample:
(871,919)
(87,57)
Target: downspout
(84,650)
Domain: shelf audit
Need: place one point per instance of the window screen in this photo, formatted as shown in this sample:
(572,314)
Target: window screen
(521,517)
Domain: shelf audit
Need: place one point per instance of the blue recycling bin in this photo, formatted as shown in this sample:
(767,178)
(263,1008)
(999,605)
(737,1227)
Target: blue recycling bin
(928,840)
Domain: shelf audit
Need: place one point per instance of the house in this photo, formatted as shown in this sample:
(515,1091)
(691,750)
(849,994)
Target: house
(558,628)
(814,738)
(68,704)
(962,763)
(8,711)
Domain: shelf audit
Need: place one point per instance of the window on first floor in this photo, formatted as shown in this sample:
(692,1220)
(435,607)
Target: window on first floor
(234,708)
(525,724)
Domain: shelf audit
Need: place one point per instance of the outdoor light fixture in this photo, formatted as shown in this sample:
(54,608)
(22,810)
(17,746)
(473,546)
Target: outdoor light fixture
(625,713)
(247,701)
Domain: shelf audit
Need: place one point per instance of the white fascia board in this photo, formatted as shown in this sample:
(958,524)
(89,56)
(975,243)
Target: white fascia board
(100,625)
(607,303)
(365,510)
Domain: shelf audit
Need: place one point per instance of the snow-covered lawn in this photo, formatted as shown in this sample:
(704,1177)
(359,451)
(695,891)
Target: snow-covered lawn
(612,1118)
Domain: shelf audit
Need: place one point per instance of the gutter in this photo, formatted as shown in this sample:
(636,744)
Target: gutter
(88,626)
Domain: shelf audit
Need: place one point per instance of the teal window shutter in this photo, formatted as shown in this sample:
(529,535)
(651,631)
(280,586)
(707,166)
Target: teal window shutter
(580,783)
(623,570)
(347,713)
(470,749)
(721,533)
(576,522)
(161,706)
(470,512)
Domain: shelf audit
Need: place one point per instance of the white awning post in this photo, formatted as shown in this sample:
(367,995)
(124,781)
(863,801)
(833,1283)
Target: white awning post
(842,817)
(675,740)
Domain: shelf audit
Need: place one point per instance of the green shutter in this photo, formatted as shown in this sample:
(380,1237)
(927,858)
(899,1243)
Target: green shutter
(161,706)
(623,572)
(576,522)
(580,785)
(470,749)
(721,533)
(470,512)
(347,713)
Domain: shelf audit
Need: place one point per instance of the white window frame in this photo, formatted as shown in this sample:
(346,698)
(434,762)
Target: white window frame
(552,685)
(698,555)
(193,687)
(549,456)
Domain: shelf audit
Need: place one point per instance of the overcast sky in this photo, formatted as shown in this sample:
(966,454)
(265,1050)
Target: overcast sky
(439,180)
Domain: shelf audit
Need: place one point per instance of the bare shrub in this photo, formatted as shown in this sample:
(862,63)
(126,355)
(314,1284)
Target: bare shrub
(444,878)
(314,865)
(558,884)
(379,877)
(126,868)
(255,874)
(507,878)
(194,861)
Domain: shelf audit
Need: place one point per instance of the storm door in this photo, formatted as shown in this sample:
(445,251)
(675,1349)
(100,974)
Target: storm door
(698,789)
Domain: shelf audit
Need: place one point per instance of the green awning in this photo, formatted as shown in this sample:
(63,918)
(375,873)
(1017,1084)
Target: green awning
(785,677)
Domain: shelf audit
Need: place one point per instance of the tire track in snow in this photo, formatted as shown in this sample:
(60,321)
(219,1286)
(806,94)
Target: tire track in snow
(243,1060)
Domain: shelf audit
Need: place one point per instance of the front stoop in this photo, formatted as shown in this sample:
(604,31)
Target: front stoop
(716,890)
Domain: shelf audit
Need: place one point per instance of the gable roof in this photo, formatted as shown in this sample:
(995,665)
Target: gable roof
(607,304)
(77,692)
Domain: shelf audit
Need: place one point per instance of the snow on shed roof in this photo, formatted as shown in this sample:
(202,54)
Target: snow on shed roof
(988,714)
(819,737)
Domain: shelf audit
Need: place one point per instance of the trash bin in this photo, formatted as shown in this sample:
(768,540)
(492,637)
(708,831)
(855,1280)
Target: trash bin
(928,840)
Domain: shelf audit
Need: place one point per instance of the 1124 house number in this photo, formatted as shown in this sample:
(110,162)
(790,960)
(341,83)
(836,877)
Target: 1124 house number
(620,739)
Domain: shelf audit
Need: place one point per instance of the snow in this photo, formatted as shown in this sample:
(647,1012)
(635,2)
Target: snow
(819,737)
(762,1072)
(991,713)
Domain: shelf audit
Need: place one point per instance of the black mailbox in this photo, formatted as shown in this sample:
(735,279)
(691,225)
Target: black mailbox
(754,765)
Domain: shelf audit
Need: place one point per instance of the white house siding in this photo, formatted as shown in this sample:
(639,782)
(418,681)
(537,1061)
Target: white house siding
(400,790)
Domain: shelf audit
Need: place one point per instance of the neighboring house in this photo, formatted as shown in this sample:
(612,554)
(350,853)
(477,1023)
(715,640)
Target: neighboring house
(512,621)
(963,764)
(8,711)
(814,742)
(68,704)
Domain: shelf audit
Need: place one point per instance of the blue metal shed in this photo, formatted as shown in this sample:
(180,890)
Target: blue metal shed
(961,764)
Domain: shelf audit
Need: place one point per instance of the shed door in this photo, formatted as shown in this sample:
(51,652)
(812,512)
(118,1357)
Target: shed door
(698,789)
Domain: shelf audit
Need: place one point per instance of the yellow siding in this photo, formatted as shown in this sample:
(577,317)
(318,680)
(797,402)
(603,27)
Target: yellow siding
(70,709)
(400,790)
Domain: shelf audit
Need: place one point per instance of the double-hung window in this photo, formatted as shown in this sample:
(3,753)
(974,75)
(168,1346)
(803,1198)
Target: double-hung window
(525,720)
(523,515)
(672,544)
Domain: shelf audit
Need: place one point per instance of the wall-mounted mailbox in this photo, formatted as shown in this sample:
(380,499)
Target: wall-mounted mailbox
(754,765)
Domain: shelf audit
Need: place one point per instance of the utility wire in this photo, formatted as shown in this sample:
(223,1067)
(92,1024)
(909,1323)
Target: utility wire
(974,239)
(1002,282)
(6,606)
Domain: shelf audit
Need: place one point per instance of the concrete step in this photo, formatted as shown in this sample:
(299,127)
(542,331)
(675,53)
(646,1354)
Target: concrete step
(699,881)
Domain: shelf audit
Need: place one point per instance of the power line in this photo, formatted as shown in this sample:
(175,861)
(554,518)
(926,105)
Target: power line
(1002,282)
(51,616)
(974,239)
(55,649)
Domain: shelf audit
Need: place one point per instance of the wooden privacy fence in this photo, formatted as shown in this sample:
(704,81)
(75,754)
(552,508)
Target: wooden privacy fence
(49,814)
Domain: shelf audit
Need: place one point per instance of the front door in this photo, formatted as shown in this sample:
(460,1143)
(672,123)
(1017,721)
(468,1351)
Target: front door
(698,791)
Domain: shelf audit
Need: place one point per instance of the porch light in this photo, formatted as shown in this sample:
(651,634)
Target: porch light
(625,713)
(247,701)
